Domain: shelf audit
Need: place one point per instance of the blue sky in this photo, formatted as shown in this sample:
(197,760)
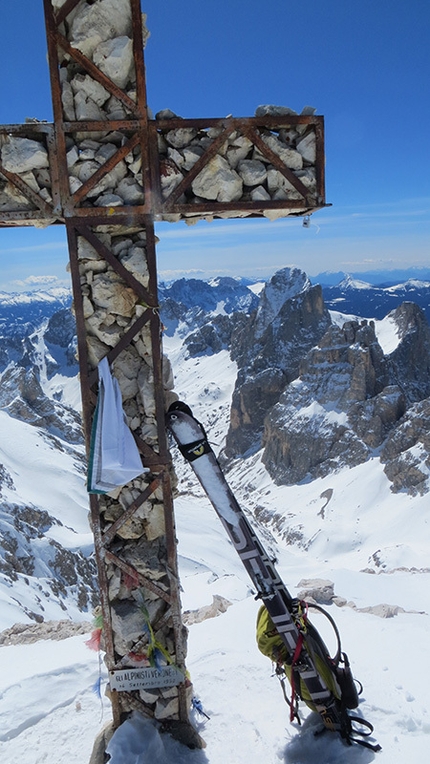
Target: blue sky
(365,66)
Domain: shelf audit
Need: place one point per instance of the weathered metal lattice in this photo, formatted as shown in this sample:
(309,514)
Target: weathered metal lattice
(107,174)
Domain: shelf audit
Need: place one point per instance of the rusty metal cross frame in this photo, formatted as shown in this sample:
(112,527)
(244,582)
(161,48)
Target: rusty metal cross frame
(64,203)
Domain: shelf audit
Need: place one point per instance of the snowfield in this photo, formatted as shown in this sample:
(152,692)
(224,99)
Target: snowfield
(348,528)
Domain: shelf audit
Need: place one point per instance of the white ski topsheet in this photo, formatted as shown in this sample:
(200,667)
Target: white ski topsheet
(187,430)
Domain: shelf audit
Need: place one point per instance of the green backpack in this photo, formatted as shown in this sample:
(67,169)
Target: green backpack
(338,680)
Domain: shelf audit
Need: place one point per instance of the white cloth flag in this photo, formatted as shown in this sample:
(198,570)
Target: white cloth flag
(114,456)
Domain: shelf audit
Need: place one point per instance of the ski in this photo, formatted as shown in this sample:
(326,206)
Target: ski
(285,611)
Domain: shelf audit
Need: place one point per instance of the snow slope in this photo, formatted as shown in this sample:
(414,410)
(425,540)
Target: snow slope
(334,528)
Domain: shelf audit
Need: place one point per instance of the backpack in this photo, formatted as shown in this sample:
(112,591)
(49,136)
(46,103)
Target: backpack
(337,678)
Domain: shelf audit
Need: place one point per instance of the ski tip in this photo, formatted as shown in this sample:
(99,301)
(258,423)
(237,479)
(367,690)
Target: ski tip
(180,406)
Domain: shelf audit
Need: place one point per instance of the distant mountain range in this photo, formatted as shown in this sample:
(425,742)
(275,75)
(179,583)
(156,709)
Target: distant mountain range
(187,303)
(360,298)
(381,277)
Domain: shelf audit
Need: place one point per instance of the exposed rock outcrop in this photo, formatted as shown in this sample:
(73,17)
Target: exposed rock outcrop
(22,396)
(406,452)
(349,400)
(409,363)
(29,554)
(290,319)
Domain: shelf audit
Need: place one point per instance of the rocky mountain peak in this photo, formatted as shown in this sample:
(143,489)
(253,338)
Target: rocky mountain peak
(409,363)
(22,397)
(290,319)
(349,399)
(286,284)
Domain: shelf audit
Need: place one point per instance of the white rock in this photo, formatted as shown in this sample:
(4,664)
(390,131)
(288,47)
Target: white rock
(72,156)
(88,143)
(84,170)
(276,181)
(67,100)
(280,195)
(145,32)
(99,22)
(22,154)
(109,200)
(86,109)
(135,262)
(180,137)
(155,523)
(44,193)
(130,191)
(218,181)
(168,378)
(110,292)
(252,172)
(191,155)
(86,154)
(308,178)
(166,114)
(74,184)
(307,147)
(260,194)
(237,149)
(86,250)
(288,136)
(175,156)
(96,350)
(277,214)
(43,177)
(87,307)
(114,109)
(271,110)
(115,59)
(109,335)
(31,181)
(121,246)
(290,157)
(87,87)
(107,183)
(126,368)
(105,152)
(146,389)
(127,626)
(136,166)
(167,709)
(170,177)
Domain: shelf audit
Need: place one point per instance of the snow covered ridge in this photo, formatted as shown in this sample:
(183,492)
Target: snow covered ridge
(46,547)
(354,296)
(63,295)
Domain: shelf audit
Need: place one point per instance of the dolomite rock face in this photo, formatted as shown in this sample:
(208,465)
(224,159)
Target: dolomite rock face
(350,399)
(290,319)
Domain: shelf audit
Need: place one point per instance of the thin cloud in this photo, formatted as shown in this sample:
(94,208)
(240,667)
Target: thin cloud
(36,281)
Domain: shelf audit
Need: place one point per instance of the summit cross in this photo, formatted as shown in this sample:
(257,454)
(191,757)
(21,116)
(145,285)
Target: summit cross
(107,171)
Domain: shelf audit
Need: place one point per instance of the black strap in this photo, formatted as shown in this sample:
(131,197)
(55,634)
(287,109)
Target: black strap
(192,451)
(362,733)
(349,734)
